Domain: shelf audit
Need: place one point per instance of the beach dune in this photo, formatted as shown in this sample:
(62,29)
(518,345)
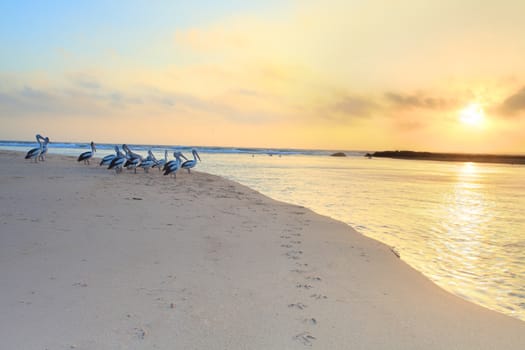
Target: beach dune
(91,260)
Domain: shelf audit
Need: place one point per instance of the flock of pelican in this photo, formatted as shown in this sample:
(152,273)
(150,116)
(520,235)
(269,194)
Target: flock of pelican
(129,159)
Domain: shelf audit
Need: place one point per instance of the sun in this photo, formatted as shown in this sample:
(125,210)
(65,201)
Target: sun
(472,115)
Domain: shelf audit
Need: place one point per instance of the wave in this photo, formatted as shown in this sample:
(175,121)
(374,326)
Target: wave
(201,149)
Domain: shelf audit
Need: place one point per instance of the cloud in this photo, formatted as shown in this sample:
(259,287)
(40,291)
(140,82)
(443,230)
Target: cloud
(84,81)
(514,103)
(354,106)
(30,101)
(418,101)
(339,109)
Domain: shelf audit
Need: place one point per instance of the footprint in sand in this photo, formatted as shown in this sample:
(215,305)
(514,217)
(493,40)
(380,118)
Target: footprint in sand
(140,333)
(314,278)
(311,321)
(305,286)
(294,254)
(318,296)
(80,284)
(299,306)
(286,245)
(304,338)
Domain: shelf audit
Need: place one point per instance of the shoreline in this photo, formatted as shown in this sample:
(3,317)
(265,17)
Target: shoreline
(94,260)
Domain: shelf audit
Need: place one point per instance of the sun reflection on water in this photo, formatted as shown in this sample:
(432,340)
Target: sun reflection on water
(464,217)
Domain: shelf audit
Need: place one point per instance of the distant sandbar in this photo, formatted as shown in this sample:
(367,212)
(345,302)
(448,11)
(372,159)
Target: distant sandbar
(451,157)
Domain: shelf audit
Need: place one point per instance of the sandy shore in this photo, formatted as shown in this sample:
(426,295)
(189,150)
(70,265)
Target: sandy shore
(90,260)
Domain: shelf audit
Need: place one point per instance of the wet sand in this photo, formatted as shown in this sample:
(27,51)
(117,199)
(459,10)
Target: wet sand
(91,260)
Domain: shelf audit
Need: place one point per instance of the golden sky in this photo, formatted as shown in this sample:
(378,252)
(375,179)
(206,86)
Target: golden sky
(355,75)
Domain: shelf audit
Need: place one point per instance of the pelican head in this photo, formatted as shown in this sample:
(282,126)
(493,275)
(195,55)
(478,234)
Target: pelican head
(195,154)
(93,147)
(178,154)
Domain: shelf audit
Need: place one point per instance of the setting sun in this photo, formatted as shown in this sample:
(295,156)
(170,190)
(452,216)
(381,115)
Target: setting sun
(472,115)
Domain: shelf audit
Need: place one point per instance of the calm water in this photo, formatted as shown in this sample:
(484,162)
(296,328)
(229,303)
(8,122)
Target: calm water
(461,224)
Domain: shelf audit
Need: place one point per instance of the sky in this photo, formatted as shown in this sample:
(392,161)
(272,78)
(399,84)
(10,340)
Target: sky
(349,75)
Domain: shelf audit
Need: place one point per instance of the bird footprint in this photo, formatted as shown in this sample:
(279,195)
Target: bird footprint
(299,306)
(305,338)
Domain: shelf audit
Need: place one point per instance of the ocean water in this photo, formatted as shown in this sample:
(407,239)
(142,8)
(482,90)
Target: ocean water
(460,224)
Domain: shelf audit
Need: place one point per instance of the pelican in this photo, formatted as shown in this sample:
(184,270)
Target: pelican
(192,162)
(87,155)
(161,162)
(172,166)
(45,140)
(35,152)
(148,162)
(117,162)
(130,153)
(133,159)
(107,159)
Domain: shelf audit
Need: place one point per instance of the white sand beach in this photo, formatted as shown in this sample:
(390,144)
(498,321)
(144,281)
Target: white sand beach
(92,260)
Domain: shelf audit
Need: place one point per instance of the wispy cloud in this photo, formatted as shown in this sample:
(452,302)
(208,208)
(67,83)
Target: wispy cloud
(83,80)
(514,104)
(351,107)
(419,101)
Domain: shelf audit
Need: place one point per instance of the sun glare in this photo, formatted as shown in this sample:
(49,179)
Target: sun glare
(472,115)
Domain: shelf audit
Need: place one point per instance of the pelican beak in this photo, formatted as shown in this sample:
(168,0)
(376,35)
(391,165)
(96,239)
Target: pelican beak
(199,157)
(183,156)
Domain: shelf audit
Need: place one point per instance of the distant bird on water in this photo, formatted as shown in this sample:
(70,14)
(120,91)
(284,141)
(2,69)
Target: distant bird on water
(192,162)
(86,156)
